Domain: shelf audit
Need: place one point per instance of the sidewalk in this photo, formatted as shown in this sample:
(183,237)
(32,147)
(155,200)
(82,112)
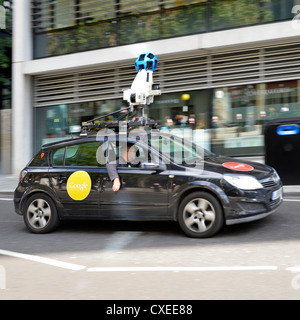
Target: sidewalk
(291,191)
(8,184)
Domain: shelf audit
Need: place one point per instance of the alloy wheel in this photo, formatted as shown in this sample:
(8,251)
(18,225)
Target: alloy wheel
(199,215)
(39,213)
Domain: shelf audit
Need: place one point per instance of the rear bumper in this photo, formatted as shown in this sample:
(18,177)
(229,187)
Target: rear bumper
(17,201)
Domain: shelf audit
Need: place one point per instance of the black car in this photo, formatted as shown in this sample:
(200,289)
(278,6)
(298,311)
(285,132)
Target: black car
(172,179)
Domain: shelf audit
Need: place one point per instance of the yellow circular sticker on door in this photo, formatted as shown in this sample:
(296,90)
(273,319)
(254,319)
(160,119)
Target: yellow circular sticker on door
(79,185)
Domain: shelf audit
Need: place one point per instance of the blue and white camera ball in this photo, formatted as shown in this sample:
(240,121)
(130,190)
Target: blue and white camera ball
(147,61)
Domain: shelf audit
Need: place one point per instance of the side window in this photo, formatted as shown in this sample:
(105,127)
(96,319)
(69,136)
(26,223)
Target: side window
(71,155)
(82,155)
(174,148)
(107,153)
(58,157)
(40,160)
(136,154)
(157,159)
(145,156)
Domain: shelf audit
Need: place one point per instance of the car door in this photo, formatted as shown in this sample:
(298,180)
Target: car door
(74,176)
(144,191)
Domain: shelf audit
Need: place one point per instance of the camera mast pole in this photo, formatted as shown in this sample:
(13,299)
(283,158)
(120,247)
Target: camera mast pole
(140,94)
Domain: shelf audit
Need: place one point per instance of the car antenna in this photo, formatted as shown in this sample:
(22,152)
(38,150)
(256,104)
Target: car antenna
(140,94)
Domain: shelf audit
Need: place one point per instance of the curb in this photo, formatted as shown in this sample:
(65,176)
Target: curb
(6,193)
(292,191)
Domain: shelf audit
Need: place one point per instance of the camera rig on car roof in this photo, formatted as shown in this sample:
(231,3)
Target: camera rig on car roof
(140,94)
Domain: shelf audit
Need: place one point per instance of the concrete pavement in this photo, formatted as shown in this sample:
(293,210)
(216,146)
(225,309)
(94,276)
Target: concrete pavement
(8,183)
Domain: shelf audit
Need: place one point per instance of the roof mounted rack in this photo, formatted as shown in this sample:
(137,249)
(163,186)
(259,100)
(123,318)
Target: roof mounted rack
(140,94)
(134,119)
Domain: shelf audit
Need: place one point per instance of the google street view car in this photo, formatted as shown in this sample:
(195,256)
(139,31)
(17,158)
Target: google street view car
(167,177)
(170,179)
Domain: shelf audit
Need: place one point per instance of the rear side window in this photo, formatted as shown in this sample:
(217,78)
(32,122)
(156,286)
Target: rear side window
(40,160)
(58,157)
(83,155)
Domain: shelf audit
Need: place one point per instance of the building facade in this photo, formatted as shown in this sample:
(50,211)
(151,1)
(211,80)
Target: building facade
(225,67)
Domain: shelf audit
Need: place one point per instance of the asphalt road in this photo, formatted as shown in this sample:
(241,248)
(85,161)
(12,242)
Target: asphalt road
(150,260)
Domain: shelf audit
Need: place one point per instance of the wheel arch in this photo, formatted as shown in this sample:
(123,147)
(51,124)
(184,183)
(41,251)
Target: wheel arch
(33,192)
(43,216)
(212,189)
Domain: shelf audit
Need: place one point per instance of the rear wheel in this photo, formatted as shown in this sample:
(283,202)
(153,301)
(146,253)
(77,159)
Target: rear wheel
(40,215)
(200,215)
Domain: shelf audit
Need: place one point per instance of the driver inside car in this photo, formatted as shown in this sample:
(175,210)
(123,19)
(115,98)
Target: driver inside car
(128,155)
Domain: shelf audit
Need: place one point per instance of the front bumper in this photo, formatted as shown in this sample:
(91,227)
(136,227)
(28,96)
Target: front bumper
(253,205)
(249,218)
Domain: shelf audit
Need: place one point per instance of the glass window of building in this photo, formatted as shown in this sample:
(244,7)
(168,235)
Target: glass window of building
(138,21)
(234,13)
(61,14)
(276,10)
(227,120)
(68,26)
(182,109)
(240,112)
(59,122)
(187,111)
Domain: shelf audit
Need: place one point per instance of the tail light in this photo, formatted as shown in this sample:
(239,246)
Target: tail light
(22,175)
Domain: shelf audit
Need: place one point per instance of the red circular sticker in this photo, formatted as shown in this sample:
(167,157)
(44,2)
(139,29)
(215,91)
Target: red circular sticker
(238,166)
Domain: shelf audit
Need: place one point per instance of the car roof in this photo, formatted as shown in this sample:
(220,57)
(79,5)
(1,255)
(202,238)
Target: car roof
(123,136)
(90,137)
(61,142)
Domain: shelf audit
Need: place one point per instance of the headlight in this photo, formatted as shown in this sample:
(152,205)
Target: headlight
(244,182)
(276,176)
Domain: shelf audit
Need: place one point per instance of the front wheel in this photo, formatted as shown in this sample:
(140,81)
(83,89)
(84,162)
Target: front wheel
(200,215)
(40,214)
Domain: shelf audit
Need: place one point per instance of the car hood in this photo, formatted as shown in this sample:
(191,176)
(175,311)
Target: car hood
(234,166)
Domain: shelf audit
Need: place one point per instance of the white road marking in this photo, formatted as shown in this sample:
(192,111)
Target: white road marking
(118,241)
(179,269)
(293,269)
(77,267)
(6,199)
(292,200)
(51,262)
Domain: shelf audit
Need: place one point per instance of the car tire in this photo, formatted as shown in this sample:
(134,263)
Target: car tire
(200,215)
(40,214)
